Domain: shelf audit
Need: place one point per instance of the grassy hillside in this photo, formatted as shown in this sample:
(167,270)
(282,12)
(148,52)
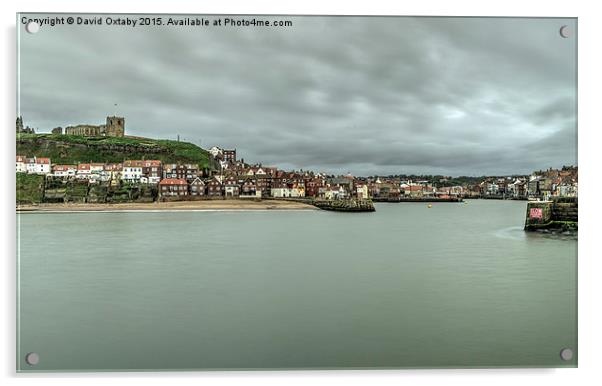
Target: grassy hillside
(71,149)
(30,188)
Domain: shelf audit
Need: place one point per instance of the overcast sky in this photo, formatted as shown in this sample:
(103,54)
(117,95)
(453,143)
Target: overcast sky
(379,95)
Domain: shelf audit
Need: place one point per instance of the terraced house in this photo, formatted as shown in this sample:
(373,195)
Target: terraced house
(187,172)
(38,165)
(214,188)
(64,171)
(152,171)
(132,171)
(198,188)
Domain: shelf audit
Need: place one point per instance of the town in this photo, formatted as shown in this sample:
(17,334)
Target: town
(236,179)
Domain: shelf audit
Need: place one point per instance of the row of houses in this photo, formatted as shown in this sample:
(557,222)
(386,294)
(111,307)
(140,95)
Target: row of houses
(537,186)
(239,179)
(134,171)
(35,165)
(254,187)
(394,189)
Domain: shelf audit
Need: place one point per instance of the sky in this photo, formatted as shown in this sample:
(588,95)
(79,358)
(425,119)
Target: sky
(360,95)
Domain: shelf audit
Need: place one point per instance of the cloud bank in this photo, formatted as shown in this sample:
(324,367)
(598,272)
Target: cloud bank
(366,95)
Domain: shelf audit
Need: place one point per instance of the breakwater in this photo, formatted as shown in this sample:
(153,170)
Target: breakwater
(347,205)
(557,214)
(351,205)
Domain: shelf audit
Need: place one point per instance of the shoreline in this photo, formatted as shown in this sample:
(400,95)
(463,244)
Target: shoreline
(208,205)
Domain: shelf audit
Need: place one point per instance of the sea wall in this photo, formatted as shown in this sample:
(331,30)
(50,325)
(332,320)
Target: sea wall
(560,213)
(74,191)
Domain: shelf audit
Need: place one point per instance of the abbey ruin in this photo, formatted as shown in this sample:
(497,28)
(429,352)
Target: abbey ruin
(114,127)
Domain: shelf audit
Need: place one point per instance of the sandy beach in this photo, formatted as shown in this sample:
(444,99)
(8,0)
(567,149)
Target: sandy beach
(177,205)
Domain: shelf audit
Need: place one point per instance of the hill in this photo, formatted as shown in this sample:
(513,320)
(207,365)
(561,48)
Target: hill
(71,149)
(30,188)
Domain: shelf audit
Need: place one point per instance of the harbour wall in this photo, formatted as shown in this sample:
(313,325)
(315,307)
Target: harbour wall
(559,213)
(350,205)
(347,205)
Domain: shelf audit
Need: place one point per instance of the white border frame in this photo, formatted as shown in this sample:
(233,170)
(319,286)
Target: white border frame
(590,28)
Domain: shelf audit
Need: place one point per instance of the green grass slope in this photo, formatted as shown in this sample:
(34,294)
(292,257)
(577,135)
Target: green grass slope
(71,149)
(30,188)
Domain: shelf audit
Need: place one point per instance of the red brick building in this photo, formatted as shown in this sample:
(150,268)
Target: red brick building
(187,172)
(249,187)
(197,187)
(230,156)
(231,187)
(214,188)
(152,170)
(173,187)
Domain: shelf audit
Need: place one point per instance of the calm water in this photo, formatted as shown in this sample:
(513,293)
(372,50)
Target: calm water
(406,286)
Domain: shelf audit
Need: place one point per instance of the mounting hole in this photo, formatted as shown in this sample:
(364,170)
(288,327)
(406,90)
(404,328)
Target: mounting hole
(566,354)
(565,31)
(32,358)
(32,27)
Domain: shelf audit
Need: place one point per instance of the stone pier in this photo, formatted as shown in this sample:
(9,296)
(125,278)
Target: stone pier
(349,205)
(560,213)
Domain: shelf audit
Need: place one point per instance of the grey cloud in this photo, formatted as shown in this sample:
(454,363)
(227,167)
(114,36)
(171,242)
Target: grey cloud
(337,94)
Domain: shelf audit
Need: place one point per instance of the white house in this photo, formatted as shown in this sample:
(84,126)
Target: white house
(280,190)
(493,188)
(335,192)
(297,191)
(132,171)
(284,191)
(83,171)
(361,191)
(215,151)
(64,170)
(517,188)
(30,165)
(38,165)
(567,190)
(21,166)
(98,173)
(97,168)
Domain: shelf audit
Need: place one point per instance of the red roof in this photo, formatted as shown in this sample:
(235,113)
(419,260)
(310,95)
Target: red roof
(151,162)
(132,163)
(173,181)
(21,158)
(43,160)
(63,167)
(112,167)
(83,167)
